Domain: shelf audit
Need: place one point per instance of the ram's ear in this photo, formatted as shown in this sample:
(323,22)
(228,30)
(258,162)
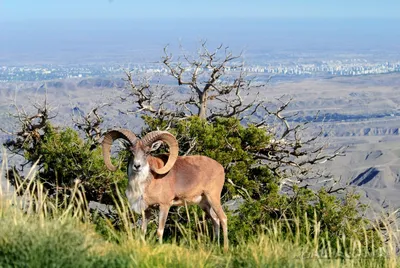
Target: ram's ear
(155,146)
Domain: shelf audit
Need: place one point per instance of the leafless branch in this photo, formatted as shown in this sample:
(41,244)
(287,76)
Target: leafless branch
(90,123)
(205,76)
(30,126)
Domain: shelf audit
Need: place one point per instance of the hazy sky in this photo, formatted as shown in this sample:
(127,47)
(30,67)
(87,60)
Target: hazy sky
(131,9)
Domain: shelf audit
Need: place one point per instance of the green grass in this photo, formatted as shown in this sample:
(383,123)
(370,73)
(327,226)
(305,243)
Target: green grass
(29,241)
(36,233)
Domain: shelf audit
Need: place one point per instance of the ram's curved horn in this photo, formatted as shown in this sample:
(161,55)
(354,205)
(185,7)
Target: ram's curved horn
(108,140)
(170,140)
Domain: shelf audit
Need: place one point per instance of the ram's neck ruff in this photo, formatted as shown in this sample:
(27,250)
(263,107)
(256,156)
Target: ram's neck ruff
(137,183)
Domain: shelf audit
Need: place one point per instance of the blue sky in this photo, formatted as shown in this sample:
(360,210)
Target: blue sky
(131,9)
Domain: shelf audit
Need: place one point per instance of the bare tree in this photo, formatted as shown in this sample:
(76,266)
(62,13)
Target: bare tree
(31,126)
(216,82)
(207,77)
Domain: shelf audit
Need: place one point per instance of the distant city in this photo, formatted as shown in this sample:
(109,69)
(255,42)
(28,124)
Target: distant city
(62,49)
(342,67)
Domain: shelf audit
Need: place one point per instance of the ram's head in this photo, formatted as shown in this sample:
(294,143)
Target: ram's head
(141,148)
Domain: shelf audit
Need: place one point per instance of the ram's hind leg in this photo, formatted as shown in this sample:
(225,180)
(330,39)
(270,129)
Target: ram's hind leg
(161,221)
(213,216)
(215,204)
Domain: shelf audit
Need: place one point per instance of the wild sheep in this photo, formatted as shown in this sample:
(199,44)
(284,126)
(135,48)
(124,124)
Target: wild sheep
(168,181)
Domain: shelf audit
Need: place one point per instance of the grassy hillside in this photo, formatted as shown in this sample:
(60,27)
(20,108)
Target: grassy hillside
(36,233)
(37,241)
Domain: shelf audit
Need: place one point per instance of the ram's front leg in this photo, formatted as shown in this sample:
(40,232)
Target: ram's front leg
(145,220)
(164,209)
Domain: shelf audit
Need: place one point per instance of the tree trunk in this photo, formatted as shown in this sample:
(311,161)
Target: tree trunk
(203,106)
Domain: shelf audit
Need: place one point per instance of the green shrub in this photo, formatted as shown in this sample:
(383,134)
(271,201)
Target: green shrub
(63,158)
